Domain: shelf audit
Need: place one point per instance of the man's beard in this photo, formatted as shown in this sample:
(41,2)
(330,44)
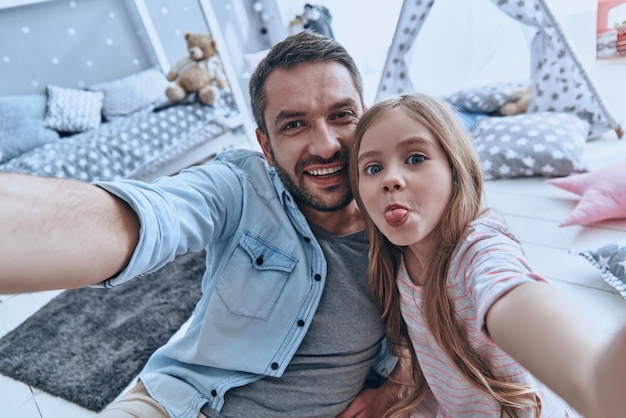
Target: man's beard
(304,197)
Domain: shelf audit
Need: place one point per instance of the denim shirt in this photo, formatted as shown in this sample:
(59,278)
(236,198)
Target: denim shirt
(264,278)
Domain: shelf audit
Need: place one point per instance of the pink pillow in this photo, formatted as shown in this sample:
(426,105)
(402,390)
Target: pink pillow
(602,191)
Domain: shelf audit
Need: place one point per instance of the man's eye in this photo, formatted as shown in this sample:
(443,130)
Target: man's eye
(343,115)
(372,169)
(416,159)
(291,125)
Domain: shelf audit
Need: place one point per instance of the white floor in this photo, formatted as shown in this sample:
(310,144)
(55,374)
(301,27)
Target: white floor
(532,207)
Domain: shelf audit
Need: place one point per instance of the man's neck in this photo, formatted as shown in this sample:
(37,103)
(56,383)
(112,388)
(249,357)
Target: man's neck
(340,222)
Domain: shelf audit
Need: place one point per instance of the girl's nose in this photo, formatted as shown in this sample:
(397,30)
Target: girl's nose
(392,180)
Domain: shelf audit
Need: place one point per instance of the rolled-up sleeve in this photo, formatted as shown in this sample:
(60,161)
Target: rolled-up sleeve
(177,214)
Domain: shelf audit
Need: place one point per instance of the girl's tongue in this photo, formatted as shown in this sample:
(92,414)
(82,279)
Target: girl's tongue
(395,215)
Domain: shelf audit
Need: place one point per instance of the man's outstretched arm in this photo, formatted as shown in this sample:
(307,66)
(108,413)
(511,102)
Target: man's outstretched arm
(60,233)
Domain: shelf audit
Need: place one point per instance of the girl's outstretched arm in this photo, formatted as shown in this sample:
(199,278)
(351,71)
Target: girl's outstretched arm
(611,378)
(60,233)
(549,336)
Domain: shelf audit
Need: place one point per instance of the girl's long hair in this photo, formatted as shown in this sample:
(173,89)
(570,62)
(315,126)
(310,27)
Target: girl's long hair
(465,206)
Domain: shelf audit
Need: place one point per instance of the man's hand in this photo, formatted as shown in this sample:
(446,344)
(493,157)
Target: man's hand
(373,403)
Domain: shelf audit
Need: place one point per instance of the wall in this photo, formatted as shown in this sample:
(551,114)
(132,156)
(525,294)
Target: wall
(69,43)
(247,30)
(76,43)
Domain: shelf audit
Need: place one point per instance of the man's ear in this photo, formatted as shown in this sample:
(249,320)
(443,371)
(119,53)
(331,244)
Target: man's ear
(265,145)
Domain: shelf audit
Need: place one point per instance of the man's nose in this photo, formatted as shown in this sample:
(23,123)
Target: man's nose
(325,141)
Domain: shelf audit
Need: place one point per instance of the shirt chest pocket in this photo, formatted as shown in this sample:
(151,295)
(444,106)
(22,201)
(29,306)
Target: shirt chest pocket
(255,277)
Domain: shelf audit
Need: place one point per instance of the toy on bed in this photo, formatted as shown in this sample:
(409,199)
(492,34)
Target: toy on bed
(199,72)
(519,104)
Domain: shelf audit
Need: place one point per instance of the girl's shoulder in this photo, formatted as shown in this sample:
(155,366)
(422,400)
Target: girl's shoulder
(489,223)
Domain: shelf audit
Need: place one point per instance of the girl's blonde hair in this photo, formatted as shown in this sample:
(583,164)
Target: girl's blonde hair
(465,206)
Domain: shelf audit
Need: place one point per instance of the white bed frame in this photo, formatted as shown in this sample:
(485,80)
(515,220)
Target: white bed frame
(228,140)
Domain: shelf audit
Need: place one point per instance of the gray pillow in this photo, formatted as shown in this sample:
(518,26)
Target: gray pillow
(132,93)
(488,98)
(21,125)
(549,144)
(610,260)
(73,110)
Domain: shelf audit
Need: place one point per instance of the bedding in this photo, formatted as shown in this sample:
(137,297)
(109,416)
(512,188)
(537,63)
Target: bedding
(121,128)
(21,125)
(130,147)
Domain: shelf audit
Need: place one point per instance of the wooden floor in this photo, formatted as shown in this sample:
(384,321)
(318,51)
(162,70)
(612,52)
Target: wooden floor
(534,210)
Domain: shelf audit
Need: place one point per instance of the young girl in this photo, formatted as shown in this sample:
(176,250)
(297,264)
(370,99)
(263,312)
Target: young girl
(483,331)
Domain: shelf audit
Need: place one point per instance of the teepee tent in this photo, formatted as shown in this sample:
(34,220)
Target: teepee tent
(443,46)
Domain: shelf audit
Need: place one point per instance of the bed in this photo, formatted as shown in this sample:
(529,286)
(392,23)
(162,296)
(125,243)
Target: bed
(158,139)
(108,118)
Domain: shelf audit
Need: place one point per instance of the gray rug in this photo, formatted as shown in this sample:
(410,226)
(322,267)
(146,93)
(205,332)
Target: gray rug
(87,345)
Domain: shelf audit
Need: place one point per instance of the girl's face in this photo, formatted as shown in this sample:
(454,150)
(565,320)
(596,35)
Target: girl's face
(405,180)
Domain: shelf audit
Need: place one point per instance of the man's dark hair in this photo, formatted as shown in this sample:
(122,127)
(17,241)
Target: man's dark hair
(303,47)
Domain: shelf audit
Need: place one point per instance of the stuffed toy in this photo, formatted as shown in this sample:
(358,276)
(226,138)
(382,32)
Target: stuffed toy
(315,18)
(199,72)
(520,105)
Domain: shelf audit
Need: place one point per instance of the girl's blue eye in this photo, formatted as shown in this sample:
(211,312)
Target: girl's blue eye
(372,169)
(415,159)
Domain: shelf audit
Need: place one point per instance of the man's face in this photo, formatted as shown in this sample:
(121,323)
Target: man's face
(311,115)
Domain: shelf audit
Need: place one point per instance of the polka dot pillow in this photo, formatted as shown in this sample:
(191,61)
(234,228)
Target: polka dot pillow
(72,110)
(610,260)
(549,144)
(488,98)
(134,92)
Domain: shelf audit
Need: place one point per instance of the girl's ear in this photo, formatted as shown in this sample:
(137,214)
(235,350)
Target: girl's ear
(265,145)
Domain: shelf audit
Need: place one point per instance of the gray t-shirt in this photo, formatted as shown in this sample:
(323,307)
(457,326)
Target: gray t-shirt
(330,366)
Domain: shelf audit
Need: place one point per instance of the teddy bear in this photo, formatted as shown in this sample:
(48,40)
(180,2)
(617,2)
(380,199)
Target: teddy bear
(199,72)
(519,105)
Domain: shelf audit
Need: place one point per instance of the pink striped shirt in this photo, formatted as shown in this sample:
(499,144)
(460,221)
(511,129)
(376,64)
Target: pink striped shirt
(488,262)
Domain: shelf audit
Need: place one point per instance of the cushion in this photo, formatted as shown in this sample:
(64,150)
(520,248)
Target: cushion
(131,93)
(550,144)
(252,59)
(488,98)
(72,110)
(21,125)
(610,259)
(602,191)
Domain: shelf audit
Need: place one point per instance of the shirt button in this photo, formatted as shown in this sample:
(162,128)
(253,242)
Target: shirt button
(214,393)
(317,277)
(300,323)
(274,366)
(259,260)
(307,239)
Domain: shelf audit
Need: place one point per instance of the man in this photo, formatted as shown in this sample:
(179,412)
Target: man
(285,326)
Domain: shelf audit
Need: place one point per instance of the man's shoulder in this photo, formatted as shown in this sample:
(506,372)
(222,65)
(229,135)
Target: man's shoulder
(251,166)
(240,156)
